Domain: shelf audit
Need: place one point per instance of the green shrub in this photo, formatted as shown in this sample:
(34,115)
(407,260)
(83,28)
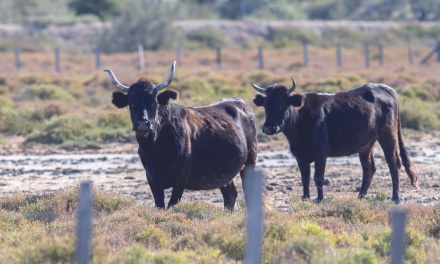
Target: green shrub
(152,235)
(141,22)
(285,36)
(417,114)
(115,119)
(44,92)
(62,128)
(101,8)
(206,37)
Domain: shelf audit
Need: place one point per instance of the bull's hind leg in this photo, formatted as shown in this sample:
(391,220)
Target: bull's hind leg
(229,193)
(388,142)
(366,157)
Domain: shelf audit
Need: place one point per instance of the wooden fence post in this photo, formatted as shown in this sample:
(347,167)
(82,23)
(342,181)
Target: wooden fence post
(398,237)
(98,59)
(252,189)
(367,55)
(178,57)
(219,57)
(260,57)
(17,59)
(381,54)
(338,54)
(306,58)
(438,50)
(410,53)
(84,224)
(57,59)
(242,9)
(141,57)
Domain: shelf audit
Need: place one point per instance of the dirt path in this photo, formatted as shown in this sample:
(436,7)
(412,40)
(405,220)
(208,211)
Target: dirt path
(117,168)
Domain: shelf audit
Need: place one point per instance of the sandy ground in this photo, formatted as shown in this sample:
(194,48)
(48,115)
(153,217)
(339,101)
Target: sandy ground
(117,167)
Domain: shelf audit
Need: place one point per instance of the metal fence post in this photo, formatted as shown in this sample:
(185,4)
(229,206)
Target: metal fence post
(410,53)
(219,57)
(57,59)
(380,54)
(338,54)
(260,57)
(141,57)
(98,59)
(398,237)
(306,59)
(252,187)
(17,59)
(178,57)
(84,224)
(367,55)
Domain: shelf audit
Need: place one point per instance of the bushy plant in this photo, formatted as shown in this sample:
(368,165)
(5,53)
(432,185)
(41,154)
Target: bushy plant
(145,22)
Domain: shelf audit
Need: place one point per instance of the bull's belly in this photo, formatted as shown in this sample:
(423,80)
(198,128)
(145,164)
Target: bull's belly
(209,182)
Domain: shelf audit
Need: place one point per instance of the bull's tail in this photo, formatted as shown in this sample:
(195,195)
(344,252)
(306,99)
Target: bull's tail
(405,157)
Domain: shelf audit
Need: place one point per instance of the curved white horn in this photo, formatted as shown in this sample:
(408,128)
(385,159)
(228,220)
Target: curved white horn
(291,89)
(168,80)
(261,90)
(115,81)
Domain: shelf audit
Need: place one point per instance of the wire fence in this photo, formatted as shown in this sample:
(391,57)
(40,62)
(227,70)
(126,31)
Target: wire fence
(219,58)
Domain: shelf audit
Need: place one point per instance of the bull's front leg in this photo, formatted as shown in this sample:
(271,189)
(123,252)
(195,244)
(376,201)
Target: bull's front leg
(304,168)
(176,194)
(159,196)
(320,161)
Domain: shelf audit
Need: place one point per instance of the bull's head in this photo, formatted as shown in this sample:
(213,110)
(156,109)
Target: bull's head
(277,102)
(142,98)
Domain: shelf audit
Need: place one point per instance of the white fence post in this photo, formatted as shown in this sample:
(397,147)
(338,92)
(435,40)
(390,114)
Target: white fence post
(398,237)
(252,188)
(84,224)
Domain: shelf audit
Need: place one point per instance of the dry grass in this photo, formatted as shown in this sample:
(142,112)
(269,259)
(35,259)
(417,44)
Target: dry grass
(40,228)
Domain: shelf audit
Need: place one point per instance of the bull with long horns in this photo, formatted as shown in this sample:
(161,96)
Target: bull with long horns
(195,148)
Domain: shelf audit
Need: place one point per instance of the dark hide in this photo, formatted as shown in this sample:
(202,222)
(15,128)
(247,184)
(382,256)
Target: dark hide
(197,148)
(318,126)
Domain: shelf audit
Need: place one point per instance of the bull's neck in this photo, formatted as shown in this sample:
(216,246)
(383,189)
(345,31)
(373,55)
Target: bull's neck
(148,142)
(290,121)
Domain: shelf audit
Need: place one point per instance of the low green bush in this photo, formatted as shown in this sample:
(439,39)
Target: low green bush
(44,92)
(62,128)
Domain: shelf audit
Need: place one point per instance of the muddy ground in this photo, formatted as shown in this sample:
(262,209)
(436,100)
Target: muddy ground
(116,167)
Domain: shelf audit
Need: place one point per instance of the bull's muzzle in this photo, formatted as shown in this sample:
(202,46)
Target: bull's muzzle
(270,130)
(143,126)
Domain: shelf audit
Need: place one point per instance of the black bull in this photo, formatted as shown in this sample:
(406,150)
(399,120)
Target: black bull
(181,147)
(318,126)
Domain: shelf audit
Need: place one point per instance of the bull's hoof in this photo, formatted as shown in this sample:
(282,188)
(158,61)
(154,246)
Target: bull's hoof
(397,201)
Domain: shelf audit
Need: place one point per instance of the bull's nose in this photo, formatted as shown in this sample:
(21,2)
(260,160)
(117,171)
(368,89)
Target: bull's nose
(143,125)
(269,130)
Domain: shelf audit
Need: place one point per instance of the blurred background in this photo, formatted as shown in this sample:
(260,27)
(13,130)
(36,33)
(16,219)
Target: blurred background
(52,53)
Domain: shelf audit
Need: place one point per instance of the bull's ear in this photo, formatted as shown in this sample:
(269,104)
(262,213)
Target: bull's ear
(165,97)
(296,100)
(119,99)
(259,99)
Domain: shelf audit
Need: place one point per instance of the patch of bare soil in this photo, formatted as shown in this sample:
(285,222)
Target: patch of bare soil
(117,167)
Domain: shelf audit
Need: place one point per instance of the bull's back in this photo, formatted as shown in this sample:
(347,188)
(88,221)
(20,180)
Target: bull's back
(356,116)
(221,134)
